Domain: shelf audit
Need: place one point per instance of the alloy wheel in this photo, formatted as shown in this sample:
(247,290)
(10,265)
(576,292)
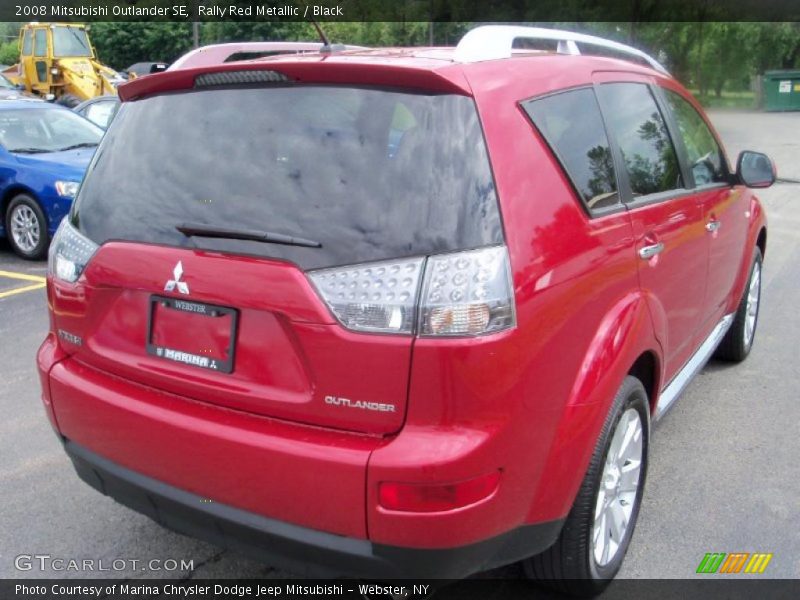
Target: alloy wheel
(619,485)
(753,298)
(25,228)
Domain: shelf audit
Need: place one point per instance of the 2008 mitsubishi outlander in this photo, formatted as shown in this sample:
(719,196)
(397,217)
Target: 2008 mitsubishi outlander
(402,312)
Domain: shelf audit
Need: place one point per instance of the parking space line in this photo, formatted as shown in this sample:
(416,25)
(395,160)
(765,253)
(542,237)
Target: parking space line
(20,290)
(23,276)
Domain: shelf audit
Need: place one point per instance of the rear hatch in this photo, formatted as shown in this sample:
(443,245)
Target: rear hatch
(239,228)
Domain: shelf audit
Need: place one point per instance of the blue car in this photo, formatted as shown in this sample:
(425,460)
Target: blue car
(44,152)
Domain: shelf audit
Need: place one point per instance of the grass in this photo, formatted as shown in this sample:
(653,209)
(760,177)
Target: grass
(742,99)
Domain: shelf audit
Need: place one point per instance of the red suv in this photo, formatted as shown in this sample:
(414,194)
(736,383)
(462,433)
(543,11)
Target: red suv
(392,313)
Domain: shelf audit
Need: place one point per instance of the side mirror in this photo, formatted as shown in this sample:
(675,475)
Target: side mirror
(755,170)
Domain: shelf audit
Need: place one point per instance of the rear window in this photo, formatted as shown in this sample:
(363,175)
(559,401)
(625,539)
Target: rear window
(369,174)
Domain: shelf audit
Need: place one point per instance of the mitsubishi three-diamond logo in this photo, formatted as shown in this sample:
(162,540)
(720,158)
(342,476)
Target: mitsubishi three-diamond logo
(177,273)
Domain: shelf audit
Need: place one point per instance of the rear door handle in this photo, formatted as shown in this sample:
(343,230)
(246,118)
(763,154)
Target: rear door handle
(648,252)
(712,226)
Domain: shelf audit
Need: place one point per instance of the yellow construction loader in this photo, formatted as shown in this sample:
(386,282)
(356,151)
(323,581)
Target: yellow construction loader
(57,62)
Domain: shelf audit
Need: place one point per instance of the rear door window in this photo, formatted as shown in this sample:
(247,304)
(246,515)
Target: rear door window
(571,124)
(370,174)
(703,153)
(635,121)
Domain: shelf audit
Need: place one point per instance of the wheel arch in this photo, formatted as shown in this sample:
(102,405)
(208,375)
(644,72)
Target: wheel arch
(647,369)
(761,241)
(625,344)
(13,191)
(756,238)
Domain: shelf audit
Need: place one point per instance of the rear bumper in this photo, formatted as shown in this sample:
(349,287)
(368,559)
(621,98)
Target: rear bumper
(296,548)
(300,497)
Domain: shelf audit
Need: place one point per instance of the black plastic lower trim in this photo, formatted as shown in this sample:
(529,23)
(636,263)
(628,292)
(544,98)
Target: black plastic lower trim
(299,549)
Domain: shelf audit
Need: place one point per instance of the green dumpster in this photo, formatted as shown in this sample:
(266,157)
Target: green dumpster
(782,90)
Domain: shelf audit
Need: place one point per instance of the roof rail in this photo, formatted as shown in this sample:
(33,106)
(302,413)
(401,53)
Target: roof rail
(219,53)
(491,42)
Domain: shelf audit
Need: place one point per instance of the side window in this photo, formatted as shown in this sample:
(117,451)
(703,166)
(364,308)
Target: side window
(704,154)
(571,124)
(26,43)
(40,42)
(639,128)
(100,113)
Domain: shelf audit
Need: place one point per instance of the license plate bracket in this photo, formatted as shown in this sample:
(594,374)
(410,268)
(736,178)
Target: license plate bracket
(197,334)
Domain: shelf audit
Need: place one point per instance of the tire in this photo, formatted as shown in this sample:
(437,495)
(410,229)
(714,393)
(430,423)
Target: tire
(572,564)
(738,341)
(68,100)
(26,227)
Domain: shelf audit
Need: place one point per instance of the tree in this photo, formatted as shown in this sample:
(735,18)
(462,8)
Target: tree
(215,32)
(120,44)
(9,35)
(776,45)
(728,55)
(9,53)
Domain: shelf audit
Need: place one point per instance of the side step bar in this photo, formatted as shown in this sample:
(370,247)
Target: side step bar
(693,366)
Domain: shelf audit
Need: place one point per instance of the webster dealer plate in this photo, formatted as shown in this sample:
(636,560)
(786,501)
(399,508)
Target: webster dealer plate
(193,333)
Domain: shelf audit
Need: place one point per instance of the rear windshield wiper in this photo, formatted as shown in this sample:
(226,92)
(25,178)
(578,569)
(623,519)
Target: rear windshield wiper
(269,237)
(76,146)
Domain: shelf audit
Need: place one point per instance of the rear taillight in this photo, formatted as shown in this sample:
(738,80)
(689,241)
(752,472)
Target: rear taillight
(456,294)
(416,497)
(379,297)
(467,293)
(70,252)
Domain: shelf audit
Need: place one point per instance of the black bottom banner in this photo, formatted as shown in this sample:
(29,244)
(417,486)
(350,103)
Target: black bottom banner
(468,589)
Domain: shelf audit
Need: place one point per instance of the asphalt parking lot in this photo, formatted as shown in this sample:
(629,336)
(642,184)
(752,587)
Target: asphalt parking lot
(723,473)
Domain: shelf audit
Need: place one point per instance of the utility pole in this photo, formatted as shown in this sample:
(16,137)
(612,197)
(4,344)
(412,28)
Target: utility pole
(430,28)
(196,27)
